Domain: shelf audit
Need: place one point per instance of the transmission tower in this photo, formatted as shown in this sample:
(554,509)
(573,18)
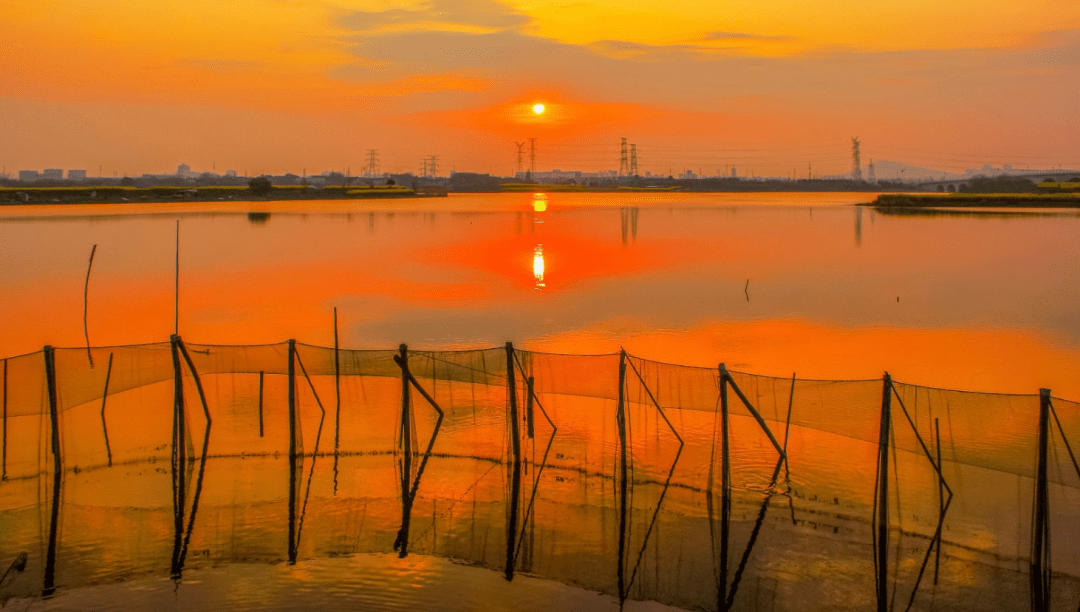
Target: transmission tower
(372,162)
(624,163)
(633,160)
(423,167)
(433,165)
(521,155)
(532,155)
(870,172)
(856,165)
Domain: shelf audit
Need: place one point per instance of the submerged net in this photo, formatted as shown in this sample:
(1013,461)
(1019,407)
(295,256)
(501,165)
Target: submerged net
(698,487)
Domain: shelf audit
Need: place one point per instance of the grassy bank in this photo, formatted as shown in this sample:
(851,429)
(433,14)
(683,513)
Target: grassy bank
(106,195)
(978,200)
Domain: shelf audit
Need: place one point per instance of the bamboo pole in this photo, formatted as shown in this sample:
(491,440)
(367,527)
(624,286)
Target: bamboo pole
(620,420)
(787,429)
(104,396)
(292,451)
(753,412)
(179,453)
(530,387)
(49,582)
(180,553)
(3,456)
(261,373)
(515,437)
(725,488)
(176,285)
(401,544)
(86,295)
(1040,537)
(941,495)
(337,399)
(881,499)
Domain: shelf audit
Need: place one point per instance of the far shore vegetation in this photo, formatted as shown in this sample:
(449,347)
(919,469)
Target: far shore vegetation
(120,194)
(1002,191)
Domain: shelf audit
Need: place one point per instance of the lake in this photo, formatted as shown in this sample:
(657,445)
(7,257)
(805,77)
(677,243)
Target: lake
(772,285)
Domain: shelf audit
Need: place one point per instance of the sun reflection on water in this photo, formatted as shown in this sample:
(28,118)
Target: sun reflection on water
(538,265)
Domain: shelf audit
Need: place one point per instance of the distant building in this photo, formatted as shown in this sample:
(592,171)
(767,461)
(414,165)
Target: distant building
(76,175)
(734,172)
(230,173)
(53,174)
(29,176)
(688,175)
(183,171)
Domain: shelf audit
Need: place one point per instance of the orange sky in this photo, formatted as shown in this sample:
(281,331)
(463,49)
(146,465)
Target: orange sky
(134,86)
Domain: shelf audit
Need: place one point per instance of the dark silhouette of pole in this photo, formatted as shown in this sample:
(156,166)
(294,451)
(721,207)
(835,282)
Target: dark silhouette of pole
(515,440)
(881,499)
(49,582)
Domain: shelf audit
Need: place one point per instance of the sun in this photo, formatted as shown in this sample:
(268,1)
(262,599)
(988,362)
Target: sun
(538,109)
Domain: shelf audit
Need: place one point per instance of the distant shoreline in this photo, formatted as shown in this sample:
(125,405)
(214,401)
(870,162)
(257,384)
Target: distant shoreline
(978,200)
(156,195)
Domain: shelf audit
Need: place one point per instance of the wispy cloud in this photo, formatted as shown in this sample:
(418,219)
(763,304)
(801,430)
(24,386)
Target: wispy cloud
(745,36)
(477,13)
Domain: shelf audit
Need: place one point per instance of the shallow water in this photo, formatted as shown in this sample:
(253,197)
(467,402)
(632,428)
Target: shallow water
(770,284)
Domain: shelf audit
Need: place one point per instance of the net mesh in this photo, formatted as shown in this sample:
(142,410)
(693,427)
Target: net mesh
(533,462)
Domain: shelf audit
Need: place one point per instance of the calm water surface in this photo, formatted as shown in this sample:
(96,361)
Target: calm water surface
(768,283)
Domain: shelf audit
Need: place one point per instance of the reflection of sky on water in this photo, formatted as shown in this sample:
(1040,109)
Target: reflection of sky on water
(824,280)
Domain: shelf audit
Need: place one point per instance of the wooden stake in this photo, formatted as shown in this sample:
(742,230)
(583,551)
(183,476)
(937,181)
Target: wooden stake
(3,456)
(725,489)
(881,500)
(86,294)
(515,437)
(49,582)
(261,403)
(179,453)
(292,452)
(1040,537)
(104,396)
(401,543)
(941,494)
(530,381)
(620,421)
(337,399)
(176,284)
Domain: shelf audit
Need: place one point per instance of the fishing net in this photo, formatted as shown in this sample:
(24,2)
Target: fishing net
(697,487)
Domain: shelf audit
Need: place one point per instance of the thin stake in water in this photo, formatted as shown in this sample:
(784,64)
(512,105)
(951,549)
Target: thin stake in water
(86,293)
(104,396)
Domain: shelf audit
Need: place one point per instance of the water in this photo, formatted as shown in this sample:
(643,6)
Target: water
(983,302)
(766,283)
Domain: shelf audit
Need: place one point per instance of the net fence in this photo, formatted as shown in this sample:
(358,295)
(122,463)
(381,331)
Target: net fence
(697,487)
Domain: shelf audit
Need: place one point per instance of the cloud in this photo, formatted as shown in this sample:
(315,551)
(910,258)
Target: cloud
(743,36)
(477,13)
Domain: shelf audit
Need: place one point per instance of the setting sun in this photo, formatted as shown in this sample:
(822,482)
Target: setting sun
(538,109)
